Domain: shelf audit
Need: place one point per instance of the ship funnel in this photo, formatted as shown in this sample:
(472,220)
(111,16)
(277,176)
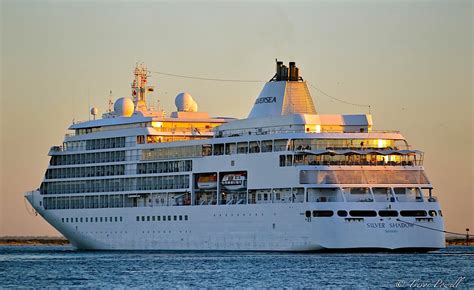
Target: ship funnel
(286,93)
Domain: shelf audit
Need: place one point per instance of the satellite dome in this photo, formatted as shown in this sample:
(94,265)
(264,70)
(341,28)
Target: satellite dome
(194,107)
(124,107)
(94,111)
(184,102)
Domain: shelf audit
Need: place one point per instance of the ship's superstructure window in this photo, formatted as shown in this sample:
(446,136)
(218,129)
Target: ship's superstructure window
(218,149)
(323,213)
(105,143)
(116,184)
(388,213)
(90,171)
(207,150)
(140,139)
(363,177)
(173,152)
(413,213)
(363,213)
(242,148)
(87,158)
(281,145)
(267,146)
(164,167)
(342,213)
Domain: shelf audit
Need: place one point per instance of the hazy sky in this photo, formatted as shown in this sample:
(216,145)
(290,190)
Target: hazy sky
(412,61)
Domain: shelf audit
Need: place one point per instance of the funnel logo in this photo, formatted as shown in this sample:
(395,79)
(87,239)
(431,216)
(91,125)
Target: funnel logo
(265,100)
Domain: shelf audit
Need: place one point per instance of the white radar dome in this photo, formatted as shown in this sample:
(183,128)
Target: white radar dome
(184,103)
(124,107)
(94,111)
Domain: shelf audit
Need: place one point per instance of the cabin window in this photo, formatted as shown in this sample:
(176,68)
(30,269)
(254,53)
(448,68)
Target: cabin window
(242,148)
(185,217)
(180,217)
(432,213)
(218,149)
(308,214)
(230,148)
(141,139)
(363,213)
(254,147)
(267,146)
(323,213)
(289,160)
(282,160)
(281,145)
(388,213)
(206,150)
(175,218)
(342,213)
(412,213)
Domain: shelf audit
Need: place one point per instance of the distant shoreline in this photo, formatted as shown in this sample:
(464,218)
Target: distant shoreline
(60,241)
(33,241)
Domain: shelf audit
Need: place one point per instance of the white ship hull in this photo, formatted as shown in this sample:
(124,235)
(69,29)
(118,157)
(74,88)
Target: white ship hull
(266,227)
(284,179)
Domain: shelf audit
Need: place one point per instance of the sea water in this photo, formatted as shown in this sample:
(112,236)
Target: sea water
(62,266)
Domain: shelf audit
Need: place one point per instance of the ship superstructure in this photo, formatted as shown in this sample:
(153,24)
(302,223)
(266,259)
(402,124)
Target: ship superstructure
(283,179)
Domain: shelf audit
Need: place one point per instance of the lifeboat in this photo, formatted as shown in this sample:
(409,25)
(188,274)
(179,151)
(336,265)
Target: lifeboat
(234,181)
(207,182)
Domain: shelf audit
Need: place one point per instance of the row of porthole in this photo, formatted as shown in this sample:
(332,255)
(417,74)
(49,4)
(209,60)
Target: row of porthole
(161,218)
(238,214)
(91,219)
(373,213)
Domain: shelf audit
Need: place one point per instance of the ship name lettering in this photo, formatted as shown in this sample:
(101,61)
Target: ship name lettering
(376,225)
(266,100)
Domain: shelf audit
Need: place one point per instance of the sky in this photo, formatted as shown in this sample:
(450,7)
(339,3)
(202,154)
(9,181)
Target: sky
(412,61)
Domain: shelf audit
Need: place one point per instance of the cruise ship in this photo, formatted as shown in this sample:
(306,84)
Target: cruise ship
(283,179)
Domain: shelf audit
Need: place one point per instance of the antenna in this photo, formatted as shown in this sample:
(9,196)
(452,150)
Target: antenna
(111,103)
(88,104)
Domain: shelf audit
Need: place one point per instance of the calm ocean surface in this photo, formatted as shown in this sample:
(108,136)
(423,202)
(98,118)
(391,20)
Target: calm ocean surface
(44,266)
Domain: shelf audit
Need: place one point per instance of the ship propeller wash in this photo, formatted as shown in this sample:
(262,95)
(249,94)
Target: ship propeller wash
(284,179)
